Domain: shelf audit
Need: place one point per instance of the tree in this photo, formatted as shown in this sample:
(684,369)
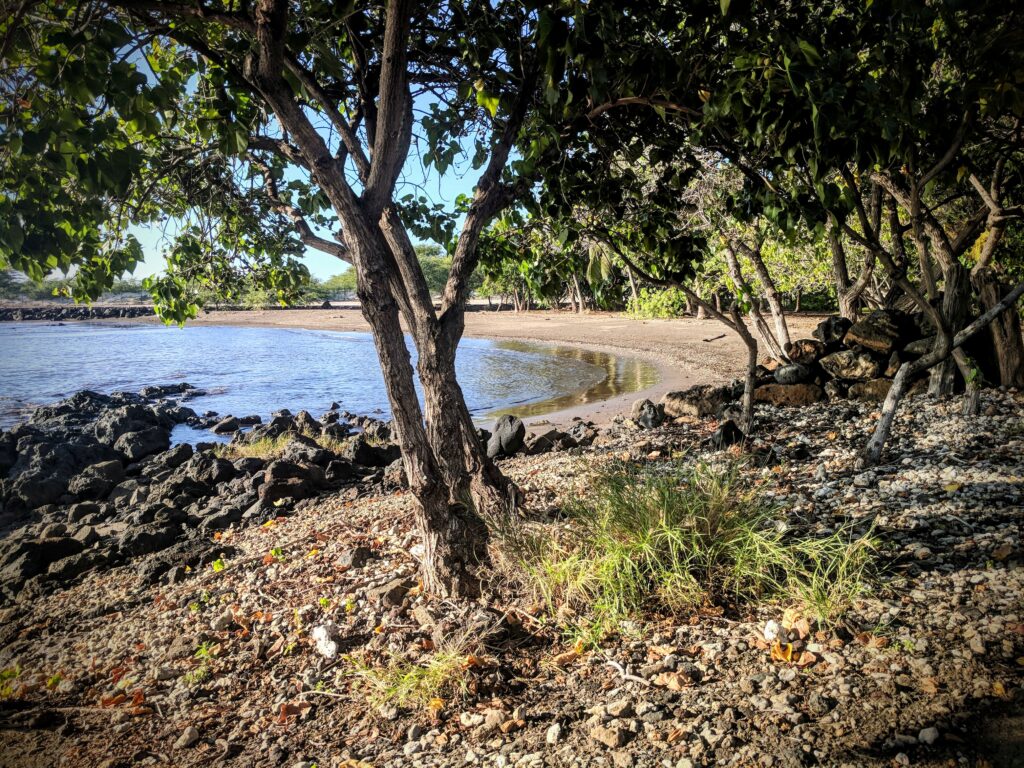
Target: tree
(261,128)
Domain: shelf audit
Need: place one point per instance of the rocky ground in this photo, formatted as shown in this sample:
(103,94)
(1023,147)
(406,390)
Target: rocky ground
(179,607)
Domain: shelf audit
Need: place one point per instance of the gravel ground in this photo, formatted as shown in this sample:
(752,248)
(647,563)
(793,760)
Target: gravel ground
(252,661)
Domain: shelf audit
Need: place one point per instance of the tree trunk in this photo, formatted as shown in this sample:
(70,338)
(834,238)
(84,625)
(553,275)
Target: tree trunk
(796,303)
(454,543)
(955,306)
(632,285)
(579,293)
(1005,329)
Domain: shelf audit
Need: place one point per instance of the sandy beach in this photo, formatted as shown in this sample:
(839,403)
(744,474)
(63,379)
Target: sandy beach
(678,352)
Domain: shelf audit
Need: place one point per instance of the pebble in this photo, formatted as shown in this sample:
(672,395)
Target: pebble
(553,734)
(187,738)
(928,735)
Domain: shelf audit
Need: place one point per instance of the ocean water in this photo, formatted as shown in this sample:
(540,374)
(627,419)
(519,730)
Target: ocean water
(259,370)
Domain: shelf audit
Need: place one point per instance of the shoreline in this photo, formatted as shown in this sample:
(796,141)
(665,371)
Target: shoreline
(682,351)
(678,353)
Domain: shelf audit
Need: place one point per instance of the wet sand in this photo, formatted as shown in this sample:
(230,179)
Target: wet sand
(653,356)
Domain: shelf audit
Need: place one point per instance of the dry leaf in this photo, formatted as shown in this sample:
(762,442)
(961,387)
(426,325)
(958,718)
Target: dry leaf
(951,487)
(806,659)
(999,690)
(782,651)
(565,659)
(112,701)
(929,685)
(435,704)
(674,681)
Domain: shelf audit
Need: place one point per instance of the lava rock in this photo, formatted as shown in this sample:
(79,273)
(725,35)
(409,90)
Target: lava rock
(646,414)
(848,364)
(507,438)
(789,394)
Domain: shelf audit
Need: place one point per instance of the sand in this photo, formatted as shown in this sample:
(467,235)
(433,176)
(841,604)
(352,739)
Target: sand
(678,352)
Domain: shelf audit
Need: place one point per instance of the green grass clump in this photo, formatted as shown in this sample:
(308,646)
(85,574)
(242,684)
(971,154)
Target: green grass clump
(412,684)
(678,541)
(267,449)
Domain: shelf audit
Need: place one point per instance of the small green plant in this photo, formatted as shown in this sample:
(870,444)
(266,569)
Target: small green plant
(420,683)
(54,680)
(204,651)
(218,565)
(675,542)
(8,676)
(411,684)
(325,602)
(278,554)
(197,675)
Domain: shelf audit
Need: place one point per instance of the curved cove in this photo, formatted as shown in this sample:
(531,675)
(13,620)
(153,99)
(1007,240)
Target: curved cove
(249,370)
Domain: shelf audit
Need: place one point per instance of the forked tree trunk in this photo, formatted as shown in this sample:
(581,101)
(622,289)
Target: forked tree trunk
(1005,329)
(454,543)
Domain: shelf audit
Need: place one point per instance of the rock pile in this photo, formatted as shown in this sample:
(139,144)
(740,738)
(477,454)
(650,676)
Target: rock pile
(93,481)
(844,360)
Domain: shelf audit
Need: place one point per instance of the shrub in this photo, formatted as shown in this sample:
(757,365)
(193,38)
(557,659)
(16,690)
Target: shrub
(657,303)
(678,541)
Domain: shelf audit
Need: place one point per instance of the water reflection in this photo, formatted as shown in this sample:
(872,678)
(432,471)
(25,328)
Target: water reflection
(621,375)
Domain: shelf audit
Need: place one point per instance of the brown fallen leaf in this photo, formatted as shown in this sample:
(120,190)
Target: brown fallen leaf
(929,685)
(806,659)
(674,681)
(782,652)
(565,659)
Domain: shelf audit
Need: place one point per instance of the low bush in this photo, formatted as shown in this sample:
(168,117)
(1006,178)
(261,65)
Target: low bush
(653,303)
(673,542)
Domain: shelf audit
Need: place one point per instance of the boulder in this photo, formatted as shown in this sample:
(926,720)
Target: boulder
(727,434)
(805,351)
(847,364)
(343,471)
(581,433)
(794,373)
(283,480)
(114,423)
(96,480)
(306,424)
(358,450)
(394,475)
(836,389)
(701,400)
(378,431)
(207,469)
(145,442)
(225,426)
(881,331)
(143,540)
(304,450)
(646,414)
(552,440)
(870,391)
(507,437)
(174,457)
(831,331)
(45,467)
(789,394)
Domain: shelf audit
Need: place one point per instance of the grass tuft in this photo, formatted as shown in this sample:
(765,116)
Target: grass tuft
(675,542)
(420,683)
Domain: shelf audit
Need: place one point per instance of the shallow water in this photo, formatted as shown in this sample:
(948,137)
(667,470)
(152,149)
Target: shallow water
(260,370)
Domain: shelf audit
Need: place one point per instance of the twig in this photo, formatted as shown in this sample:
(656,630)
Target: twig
(715,338)
(625,675)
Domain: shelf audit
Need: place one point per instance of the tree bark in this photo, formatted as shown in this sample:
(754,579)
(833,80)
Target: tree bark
(1005,329)
(955,307)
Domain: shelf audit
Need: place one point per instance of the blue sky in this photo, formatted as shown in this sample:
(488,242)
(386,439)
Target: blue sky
(459,180)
